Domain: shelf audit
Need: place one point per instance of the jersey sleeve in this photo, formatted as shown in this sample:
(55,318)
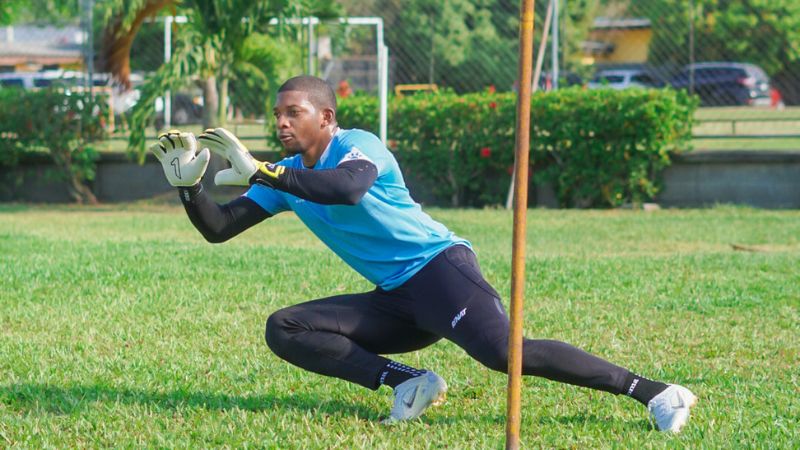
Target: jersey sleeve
(267,198)
(364,146)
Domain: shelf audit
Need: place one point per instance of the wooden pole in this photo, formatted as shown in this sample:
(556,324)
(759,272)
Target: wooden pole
(536,75)
(521,150)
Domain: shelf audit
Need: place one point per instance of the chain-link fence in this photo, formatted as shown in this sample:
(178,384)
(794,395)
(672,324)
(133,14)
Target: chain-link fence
(743,54)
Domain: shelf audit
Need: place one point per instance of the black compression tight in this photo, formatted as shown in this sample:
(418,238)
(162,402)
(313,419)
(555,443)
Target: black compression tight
(343,336)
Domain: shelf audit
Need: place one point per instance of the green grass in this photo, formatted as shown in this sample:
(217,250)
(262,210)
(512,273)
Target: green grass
(747,144)
(120,327)
(738,113)
(737,123)
(253,135)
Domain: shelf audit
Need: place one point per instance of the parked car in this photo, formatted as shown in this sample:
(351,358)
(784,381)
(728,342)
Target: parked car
(122,99)
(32,80)
(186,109)
(625,78)
(726,83)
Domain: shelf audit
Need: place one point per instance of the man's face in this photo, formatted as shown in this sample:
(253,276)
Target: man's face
(300,124)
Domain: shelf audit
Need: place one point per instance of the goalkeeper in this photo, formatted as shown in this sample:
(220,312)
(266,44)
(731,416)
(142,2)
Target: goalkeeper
(347,189)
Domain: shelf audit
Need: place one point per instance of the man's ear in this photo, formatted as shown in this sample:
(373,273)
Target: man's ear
(328,117)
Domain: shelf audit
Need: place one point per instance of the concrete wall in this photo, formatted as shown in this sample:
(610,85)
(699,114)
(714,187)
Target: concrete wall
(761,179)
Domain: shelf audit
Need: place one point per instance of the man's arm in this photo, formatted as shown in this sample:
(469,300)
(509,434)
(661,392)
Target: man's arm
(218,223)
(184,167)
(344,185)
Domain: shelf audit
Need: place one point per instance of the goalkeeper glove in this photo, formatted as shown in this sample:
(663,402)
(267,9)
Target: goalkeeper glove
(177,153)
(245,170)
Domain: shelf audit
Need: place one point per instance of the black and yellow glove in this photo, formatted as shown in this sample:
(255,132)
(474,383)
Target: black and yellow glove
(245,170)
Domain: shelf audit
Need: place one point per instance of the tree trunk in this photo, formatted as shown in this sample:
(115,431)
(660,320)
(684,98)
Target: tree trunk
(223,101)
(210,120)
(116,46)
(80,192)
(210,102)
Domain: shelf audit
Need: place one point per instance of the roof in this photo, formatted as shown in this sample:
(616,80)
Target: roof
(597,47)
(44,45)
(617,23)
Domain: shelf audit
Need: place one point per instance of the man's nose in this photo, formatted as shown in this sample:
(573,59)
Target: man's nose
(283,122)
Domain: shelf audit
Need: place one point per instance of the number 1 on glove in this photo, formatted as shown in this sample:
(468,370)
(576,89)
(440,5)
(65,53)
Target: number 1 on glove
(177,153)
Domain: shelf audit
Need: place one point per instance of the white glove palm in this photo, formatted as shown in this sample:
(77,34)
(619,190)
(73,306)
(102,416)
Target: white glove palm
(225,144)
(177,153)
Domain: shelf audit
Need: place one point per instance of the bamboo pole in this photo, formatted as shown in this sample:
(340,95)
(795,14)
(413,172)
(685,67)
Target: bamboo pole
(521,150)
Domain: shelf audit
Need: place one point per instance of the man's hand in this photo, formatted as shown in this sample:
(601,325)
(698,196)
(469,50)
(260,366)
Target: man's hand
(243,165)
(178,155)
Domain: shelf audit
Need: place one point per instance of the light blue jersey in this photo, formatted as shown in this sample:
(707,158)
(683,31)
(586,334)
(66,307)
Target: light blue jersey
(386,237)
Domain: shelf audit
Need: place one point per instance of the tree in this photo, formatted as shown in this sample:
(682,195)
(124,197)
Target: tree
(223,40)
(465,45)
(38,11)
(763,32)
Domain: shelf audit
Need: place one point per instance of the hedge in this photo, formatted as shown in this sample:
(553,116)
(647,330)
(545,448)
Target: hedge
(57,123)
(599,148)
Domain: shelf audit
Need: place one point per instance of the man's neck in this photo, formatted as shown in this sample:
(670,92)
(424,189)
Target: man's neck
(312,155)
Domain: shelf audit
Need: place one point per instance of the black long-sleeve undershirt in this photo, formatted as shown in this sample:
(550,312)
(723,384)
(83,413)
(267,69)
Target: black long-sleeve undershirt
(344,185)
(218,223)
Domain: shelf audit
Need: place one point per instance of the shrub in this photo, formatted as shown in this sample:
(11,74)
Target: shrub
(56,123)
(597,147)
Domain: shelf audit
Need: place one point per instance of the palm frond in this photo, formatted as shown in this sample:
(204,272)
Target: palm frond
(184,65)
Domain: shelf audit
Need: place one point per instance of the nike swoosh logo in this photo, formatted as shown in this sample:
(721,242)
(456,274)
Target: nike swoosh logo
(410,403)
(681,403)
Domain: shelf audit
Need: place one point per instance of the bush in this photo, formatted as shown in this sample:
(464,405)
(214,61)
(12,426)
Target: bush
(56,123)
(599,148)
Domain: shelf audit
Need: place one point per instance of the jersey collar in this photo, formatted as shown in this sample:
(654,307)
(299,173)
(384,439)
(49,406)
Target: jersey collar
(325,153)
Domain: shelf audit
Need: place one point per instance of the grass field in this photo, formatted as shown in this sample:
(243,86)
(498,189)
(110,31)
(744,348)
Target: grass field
(120,327)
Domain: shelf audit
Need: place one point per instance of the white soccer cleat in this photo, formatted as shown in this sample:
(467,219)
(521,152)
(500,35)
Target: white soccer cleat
(670,409)
(412,397)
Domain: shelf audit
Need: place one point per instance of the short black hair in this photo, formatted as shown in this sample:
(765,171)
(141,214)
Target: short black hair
(319,93)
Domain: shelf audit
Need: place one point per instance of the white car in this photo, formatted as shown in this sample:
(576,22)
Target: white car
(121,99)
(624,78)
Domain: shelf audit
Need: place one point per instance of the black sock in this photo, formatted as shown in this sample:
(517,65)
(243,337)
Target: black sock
(641,388)
(395,373)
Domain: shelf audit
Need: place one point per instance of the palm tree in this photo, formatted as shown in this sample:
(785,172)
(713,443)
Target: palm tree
(216,45)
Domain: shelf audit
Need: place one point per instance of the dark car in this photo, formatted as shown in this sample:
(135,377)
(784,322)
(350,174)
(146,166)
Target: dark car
(726,83)
(186,109)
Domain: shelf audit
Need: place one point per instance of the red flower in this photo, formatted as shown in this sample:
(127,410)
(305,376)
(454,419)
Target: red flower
(493,105)
(392,143)
(486,152)
(491,89)
(510,170)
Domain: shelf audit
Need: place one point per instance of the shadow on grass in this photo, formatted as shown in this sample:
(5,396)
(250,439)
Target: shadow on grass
(592,420)
(74,399)
(14,208)
(68,400)
(575,420)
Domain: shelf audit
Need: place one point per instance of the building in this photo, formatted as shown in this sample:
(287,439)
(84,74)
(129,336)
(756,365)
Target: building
(30,48)
(618,41)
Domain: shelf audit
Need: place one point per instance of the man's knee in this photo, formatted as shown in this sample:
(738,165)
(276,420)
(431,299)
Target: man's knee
(278,331)
(494,356)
